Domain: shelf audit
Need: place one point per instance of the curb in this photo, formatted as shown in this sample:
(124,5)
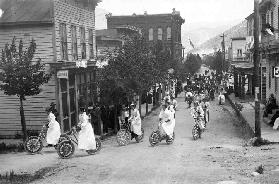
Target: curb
(248,130)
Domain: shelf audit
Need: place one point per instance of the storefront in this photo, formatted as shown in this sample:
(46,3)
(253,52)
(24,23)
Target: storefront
(76,87)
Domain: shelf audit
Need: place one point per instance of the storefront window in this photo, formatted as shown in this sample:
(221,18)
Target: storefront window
(72,80)
(63,83)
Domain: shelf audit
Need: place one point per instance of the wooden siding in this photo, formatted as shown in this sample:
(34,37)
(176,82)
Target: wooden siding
(65,12)
(34,106)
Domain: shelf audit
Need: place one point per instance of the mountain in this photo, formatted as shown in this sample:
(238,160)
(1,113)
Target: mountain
(215,43)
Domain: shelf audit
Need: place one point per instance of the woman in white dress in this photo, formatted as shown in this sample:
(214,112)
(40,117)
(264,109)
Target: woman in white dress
(53,131)
(135,120)
(86,137)
(166,116)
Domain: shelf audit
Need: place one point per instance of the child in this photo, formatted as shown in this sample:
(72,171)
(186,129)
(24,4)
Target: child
(86,137)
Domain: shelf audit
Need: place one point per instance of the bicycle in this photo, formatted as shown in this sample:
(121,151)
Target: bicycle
(124,135)
(34,144)
(157,136)
(66,148)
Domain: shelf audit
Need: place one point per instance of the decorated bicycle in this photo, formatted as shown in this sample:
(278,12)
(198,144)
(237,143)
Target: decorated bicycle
(82,136)
(130,129)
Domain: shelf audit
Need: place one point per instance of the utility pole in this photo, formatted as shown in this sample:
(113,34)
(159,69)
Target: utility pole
(224,52)
(256,69)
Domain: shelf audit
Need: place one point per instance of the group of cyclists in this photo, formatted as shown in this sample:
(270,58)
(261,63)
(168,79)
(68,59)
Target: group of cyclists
(199,90)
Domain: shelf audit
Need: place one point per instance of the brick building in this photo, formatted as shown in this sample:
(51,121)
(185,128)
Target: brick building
(64,31)
(154,27)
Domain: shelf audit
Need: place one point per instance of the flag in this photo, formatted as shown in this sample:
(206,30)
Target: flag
(191,43)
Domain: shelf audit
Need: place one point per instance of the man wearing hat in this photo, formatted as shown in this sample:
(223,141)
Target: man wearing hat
(135,120)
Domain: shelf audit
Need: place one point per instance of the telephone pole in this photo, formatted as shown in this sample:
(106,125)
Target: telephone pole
(224,51)
(256,69)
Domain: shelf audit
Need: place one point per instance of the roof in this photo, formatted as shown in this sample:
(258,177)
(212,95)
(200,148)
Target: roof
(243,65)
(27,11)
(175,14)
(251,16)
(107,33)
(113,34)
(239,38)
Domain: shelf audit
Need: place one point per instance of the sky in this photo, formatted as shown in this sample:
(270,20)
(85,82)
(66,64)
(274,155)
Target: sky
(193,11)
(198,14)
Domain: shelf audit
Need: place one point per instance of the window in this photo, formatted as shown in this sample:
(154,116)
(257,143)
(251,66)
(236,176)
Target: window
(168,33)
(90,42)
(271,17)
(150,34)
(267,18)
(160,34)
(74,42)
(82,43)
(239,52)
(63,41)
(263,20)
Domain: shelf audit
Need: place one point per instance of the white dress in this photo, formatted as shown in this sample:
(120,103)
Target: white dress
(276,124)
(86,137)
(135,122)
(53,131)
(221,99)
(168,121)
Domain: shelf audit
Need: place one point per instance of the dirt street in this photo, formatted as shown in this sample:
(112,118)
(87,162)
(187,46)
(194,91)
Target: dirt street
(218,158)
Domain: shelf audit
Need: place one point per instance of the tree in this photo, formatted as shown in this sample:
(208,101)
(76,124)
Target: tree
(21,75)
(192,64)
(132,67)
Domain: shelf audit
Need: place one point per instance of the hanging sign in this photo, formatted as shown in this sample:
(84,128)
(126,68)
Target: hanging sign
(81,64)
(276,71)
(62,74)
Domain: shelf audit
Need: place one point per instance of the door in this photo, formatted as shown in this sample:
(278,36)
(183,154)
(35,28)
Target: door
(65,122)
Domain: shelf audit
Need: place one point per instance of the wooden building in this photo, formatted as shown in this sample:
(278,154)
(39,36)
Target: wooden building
(64,31)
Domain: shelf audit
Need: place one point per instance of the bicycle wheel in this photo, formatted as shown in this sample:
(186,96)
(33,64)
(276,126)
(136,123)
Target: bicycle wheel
(65,149)
(98,147)
(123,137)
(140,137)
(170,140)
(33,144)
(154,138)
(196,132)
(63,137)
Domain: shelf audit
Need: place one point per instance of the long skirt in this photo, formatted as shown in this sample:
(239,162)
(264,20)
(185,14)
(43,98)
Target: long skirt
(86,138)
(136,127)
(168,127)
(53,133)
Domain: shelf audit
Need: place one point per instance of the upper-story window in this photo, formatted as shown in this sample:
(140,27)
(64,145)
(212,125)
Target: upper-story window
(168,33)
(263,21)
(150,34)
(271,18)
(63,41)
(74,42)
(239,52)
(160,34)
(82,42)
(90,42)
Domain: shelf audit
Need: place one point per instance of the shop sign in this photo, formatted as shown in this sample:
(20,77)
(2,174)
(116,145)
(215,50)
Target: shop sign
(62,74)
(81,64)
(276,71)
